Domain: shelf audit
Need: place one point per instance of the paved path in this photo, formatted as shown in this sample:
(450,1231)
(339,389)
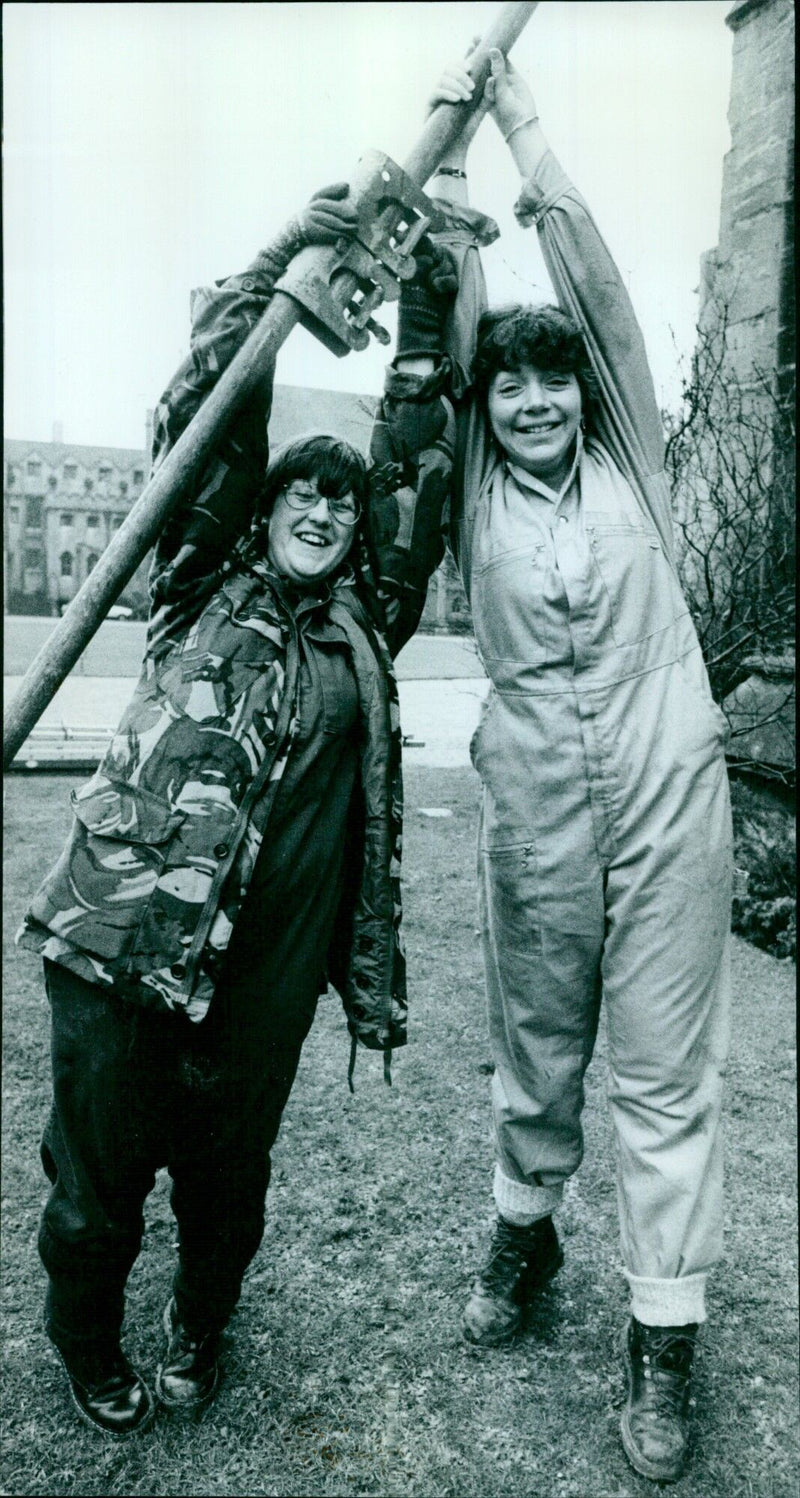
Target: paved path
(438,717)
(442,686)
(118,647)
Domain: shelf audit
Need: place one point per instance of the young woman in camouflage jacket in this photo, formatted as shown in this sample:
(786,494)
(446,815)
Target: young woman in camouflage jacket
(237,848)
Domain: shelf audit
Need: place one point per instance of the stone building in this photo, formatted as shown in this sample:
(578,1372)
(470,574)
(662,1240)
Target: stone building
(61,506)
(753,262)
(748,285)
(748,278)
(62,503)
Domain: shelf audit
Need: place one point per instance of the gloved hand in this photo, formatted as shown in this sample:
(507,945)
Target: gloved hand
(329,215)
(426,300)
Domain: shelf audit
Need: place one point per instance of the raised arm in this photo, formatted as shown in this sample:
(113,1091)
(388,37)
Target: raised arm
(589,286)
(415,437)
(411,449)
(218,509)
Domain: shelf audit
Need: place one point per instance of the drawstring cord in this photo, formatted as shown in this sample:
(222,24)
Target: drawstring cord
(387,1064)
(351,1068)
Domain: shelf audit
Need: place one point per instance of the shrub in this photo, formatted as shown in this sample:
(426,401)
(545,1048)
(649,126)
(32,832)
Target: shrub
(765,911)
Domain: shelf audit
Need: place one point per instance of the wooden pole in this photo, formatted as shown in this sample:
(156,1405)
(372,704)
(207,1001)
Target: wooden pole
(446,123)
(254,360)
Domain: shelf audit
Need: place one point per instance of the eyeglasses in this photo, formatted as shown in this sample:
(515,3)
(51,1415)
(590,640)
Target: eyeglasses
(345,508)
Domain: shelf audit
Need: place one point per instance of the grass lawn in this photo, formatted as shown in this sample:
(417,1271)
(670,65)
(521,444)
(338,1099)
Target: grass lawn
(345,1373)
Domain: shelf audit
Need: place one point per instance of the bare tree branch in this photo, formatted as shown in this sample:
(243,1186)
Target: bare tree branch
(729,459)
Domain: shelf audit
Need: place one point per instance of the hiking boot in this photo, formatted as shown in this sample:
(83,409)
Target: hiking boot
(521,1261)
(107,1392)
(187,1380)
(658,1364)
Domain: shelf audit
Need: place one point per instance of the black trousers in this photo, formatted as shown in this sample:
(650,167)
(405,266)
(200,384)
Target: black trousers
(135,1090)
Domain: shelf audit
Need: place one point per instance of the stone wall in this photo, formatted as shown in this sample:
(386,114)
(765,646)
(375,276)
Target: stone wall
(752,265)
(750,275)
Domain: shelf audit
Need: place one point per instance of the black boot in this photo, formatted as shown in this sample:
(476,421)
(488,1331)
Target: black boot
(106,1391)
(521,1261)
(187,1379)
(658,1364)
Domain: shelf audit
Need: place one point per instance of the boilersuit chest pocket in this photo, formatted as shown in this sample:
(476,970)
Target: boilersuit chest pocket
(509,606)
(642,591)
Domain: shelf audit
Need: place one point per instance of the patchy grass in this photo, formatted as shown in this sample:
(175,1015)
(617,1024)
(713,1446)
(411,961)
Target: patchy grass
(345,1373)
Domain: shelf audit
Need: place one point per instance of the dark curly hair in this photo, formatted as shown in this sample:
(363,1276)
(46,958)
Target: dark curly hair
(546,337)
(337,468)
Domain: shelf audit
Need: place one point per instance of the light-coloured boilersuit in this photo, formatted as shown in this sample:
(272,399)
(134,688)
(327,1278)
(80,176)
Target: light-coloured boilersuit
(605,837)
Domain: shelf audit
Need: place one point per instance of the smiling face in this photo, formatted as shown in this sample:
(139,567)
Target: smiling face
(535,415)
(307,544)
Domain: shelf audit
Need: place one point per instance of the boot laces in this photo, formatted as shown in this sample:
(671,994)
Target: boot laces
(184,1343)
(509,1256)
(667,1362)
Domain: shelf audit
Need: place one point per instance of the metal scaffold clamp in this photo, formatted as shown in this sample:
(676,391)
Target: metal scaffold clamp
(393,214)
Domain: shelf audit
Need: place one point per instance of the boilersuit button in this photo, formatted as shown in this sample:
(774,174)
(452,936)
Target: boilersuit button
(178,970)
(221,850)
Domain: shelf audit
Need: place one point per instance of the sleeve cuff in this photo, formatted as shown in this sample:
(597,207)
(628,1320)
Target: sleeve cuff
(401,385)
(468,224)
(269,264)
(541,191)
(248,282)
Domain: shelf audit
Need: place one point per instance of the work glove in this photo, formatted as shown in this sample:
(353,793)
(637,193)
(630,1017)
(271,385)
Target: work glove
(327,216)
(426,300)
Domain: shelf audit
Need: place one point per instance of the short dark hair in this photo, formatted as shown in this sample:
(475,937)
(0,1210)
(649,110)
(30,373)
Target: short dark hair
(545,337)
(337,468)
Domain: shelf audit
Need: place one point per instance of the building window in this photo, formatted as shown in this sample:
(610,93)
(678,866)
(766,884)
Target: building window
(117,521)
(70,470)
(34,511)
(33,558)
(138,476)
(92,522)
(104,471)
(66,518)
(9,475)
(66,564)
(123,486)
(33,467)
(13,512)
(91,562)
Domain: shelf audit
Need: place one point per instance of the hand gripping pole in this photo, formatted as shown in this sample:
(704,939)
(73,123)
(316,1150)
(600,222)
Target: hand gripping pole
(254,360)
(392,216)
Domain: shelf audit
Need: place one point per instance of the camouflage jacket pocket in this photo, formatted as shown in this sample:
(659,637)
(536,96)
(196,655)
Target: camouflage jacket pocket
(98,892)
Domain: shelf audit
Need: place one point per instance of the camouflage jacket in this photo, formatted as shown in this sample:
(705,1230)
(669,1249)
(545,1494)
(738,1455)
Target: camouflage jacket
(148,888)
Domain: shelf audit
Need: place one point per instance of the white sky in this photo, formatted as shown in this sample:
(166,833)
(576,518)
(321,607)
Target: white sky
(150,148)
